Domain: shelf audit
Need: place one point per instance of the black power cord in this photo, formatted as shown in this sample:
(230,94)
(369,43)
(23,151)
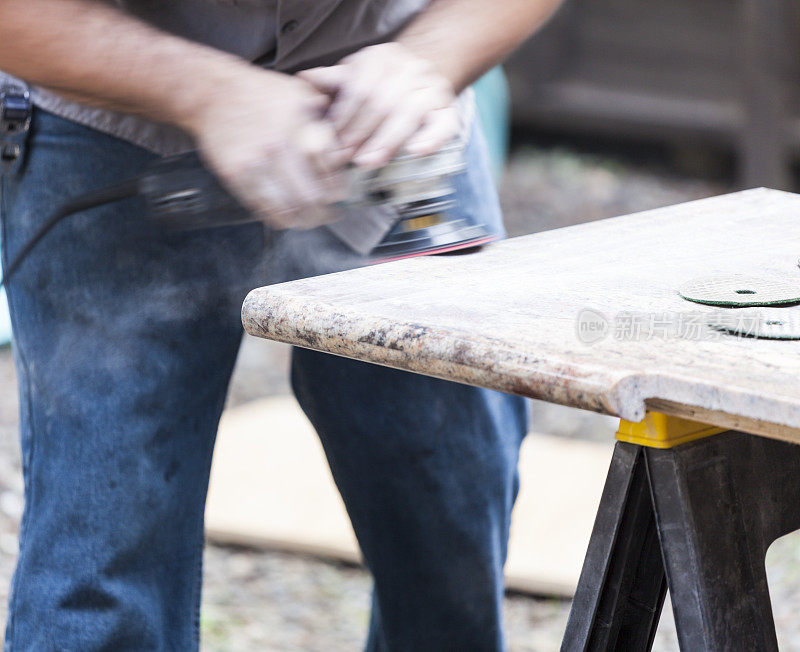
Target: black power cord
(117,192)
(179,193)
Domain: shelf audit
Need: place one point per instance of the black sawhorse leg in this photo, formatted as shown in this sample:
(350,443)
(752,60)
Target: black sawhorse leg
(697,518)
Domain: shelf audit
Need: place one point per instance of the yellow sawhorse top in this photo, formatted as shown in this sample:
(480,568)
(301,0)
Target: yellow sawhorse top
(658,430)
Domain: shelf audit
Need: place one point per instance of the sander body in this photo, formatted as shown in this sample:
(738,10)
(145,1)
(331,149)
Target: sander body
(416,193)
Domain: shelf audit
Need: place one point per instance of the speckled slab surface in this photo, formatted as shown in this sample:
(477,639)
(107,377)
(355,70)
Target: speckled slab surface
(587,316)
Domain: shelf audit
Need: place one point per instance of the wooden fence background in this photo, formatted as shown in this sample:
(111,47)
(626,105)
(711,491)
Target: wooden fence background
(724,72)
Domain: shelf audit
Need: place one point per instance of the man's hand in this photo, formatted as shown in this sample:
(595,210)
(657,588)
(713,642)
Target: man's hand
(385,98)
(260,131)
(264,136)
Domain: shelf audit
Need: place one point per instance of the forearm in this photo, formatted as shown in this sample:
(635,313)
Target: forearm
(99,55)
(465,38)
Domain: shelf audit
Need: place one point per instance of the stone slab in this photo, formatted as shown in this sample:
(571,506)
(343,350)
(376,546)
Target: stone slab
(559,315)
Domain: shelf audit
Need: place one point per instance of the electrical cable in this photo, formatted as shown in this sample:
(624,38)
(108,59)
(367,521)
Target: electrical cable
(117,192)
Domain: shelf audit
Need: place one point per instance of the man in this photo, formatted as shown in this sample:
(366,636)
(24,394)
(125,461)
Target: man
(125,340)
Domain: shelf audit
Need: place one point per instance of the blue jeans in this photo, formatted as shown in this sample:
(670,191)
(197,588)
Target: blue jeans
(125,340)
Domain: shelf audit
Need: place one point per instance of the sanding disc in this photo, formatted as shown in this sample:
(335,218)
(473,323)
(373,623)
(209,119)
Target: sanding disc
(770,324)
(741,291)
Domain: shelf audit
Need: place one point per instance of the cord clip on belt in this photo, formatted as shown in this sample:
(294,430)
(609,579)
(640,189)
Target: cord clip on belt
(15,122)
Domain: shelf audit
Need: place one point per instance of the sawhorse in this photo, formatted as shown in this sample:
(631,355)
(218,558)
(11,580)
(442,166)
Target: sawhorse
(692,508)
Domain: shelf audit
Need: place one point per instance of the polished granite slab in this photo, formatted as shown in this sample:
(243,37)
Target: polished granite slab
(587,316)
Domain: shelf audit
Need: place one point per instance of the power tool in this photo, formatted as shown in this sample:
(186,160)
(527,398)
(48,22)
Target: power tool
(416,194)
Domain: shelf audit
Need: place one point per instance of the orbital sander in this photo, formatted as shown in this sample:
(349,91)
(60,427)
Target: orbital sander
(414,199)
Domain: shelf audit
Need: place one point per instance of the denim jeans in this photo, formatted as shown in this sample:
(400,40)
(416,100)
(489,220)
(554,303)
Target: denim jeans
(124,342)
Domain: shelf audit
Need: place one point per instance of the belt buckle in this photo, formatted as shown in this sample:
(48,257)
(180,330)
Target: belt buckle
(15,122)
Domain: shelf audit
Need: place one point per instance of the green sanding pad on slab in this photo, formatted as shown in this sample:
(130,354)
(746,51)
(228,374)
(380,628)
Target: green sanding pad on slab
(769,323)
(739,291)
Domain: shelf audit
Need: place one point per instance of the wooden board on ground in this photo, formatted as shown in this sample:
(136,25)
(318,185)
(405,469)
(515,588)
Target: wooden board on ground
(271,487)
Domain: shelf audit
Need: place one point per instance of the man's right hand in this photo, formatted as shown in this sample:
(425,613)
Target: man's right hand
(265,137)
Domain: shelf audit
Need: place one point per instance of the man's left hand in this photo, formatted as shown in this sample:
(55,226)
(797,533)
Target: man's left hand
(386,98)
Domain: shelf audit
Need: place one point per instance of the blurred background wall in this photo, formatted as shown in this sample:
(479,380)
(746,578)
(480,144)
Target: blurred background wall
(722,75)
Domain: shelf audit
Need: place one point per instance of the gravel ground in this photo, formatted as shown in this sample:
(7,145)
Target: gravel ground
(264,600)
